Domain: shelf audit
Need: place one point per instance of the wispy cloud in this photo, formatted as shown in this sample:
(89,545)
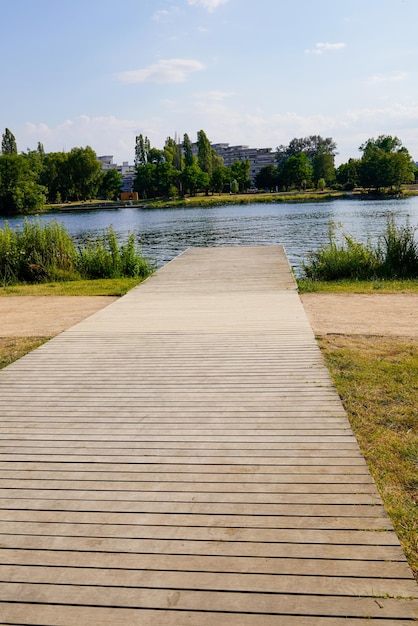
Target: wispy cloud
(223,122)
(322,48)
(387,78)
(212,96)
(164,71)
(164,13)
(210,5)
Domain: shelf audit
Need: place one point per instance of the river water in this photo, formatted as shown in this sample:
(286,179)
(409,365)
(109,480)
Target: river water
(301,228)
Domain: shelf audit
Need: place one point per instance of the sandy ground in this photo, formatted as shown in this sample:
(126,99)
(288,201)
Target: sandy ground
(363,314)
(374,314)
(45,316)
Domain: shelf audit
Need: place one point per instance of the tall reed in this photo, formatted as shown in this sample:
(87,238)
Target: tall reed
(394,256)
(39,252)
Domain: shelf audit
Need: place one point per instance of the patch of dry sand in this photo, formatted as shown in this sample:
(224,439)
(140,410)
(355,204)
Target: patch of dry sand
(362,314)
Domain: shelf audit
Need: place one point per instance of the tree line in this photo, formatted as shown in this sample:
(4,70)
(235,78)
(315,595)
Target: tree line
(30,179)
(179,168)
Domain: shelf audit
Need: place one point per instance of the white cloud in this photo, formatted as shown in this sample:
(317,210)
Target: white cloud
(212,96)
(164,71)
(164,13)
(222,123)
(322,48)
(106,135)
(210,5)
(387,78)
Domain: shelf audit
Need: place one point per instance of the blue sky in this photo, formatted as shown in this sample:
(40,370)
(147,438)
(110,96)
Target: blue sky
(99,72)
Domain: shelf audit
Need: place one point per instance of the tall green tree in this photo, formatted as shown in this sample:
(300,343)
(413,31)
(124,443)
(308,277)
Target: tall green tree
(173,153)
(110,185)
(323,168)
(85,172)
(187,150)
(385,163)
(347,174)
(8,143)
(19,188)
(319,151)
(142,147)
(240,171)
(267,177)
(204,153)
(296,172)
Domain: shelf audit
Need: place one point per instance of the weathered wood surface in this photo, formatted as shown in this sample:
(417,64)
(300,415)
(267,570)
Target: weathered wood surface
(181,458)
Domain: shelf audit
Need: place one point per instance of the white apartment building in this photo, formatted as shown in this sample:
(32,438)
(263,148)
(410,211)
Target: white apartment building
(258,157)
(126,170)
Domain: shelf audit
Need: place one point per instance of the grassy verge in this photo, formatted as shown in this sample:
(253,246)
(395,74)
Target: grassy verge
(99,287)
(357,286)
(12,348)
(377,379)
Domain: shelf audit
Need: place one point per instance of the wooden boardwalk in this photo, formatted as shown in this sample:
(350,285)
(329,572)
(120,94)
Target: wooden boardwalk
(181,458)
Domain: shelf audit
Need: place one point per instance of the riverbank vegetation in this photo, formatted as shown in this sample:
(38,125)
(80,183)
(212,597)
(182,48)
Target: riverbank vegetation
(183,171)
(39,253)
(394,257)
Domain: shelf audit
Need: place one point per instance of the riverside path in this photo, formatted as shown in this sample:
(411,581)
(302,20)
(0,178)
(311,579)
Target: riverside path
(181,458)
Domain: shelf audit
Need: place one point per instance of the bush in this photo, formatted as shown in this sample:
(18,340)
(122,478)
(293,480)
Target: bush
(334,261)
(39,253)
(399,251)
(396,256)
(103,258)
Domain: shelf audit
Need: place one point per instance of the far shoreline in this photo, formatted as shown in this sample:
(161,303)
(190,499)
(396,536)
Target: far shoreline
(202,200)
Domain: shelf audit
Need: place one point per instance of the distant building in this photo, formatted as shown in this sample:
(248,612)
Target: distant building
(258,157)
(126,170)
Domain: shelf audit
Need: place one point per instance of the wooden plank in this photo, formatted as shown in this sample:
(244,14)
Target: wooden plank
(61,615)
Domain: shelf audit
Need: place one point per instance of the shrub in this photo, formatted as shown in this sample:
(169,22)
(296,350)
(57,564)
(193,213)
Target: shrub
(335,261)
(396,256)
(399,251)
(38,253)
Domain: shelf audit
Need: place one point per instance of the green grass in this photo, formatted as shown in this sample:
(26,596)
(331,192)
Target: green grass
(13,348)
(377,379)
(357,286)
(100,287)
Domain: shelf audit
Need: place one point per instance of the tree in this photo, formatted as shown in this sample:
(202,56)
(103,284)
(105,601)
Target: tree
(144,182)
(240,170)
(347,174)
(187,150)
(220,176)
(173,153)
(142,147)
(191,178)
(55,176)
(111,185)
(204,153)
(267,177)
(311,146)
(8,143)
(85,172)
(296,171)
(385,163)
(323,168)
(19,189)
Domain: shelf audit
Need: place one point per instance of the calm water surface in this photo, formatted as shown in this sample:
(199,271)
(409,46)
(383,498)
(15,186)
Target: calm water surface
(164,233)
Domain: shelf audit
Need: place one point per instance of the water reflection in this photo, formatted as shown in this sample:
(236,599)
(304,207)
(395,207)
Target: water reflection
(164,233)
